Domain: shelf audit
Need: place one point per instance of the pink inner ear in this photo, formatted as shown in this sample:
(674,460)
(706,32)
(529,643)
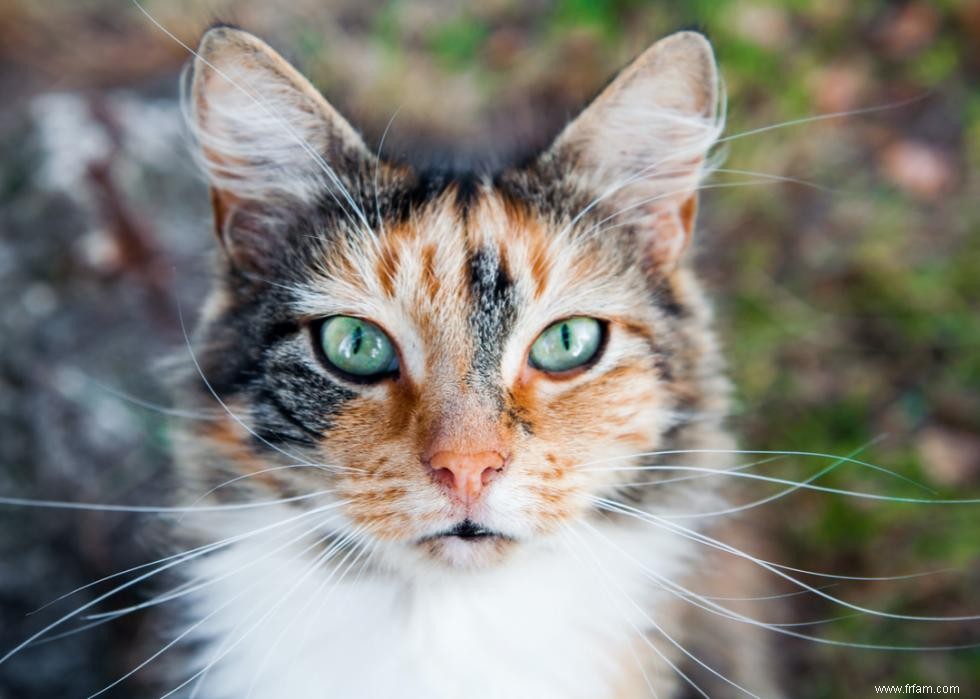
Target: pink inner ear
(222,204)
(669,230)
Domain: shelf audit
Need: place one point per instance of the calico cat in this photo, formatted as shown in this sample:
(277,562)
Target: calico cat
(440,394)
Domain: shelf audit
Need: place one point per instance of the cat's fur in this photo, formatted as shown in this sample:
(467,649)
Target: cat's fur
(463,272)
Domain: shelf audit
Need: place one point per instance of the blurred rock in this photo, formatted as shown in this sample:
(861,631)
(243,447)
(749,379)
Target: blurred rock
(765,25)
(84,327)
(909,28)
(839,87)
(951,457)
(917,168)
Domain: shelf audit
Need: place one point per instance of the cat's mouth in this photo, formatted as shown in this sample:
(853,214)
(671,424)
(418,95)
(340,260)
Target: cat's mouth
(467,530)
(468,545)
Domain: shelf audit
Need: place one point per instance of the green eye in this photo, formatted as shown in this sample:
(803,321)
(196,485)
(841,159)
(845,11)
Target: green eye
(567,344)
(357,347)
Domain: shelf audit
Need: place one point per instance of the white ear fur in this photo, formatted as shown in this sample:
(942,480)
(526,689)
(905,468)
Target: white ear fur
(264,131)
(642,145)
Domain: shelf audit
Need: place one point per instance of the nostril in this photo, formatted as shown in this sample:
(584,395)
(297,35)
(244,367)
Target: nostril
(465,473)
(489,473)
(444,477)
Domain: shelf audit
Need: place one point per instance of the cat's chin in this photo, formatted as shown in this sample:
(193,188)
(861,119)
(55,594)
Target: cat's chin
(468,553)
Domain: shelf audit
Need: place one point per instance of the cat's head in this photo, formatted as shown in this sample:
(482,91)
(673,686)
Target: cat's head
(465,362)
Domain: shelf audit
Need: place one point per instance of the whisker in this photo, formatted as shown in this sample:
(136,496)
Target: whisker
(775,568)
(315,565)
(764,598)
(217,398)
(253,474)
(597,227)
(701,476)
(818,574)
(152,509)
(318,594)
(202,620)
(766,452)
(802,485)
(145,576)
(271,111)
(205,548)
(174,593)
(106,617)
(377,167)
(196,584)
(575,553)
(154,407)
(711,607)
(677,645)
(826,117)
(660,630)
(772,498)
(779,178)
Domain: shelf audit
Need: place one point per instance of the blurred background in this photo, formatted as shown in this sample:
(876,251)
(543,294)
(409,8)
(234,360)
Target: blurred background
(848,294)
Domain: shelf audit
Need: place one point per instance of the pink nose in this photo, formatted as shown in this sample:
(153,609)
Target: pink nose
(466,474)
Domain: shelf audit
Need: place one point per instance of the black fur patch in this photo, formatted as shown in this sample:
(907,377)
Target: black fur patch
(493,314)
(292,401)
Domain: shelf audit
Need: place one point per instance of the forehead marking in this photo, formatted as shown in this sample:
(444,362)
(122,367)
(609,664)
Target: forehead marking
(493,312)
(429,278)
(387,265)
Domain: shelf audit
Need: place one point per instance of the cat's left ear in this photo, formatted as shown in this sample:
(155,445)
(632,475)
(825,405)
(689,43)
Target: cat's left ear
(268,140)
(643,143)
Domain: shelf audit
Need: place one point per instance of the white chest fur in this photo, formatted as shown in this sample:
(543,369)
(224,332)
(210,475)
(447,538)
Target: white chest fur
(561,621)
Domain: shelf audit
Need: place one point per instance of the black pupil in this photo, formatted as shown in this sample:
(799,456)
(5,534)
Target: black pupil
(566,336)
(358,339)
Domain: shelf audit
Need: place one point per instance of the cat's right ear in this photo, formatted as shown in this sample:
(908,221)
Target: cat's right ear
(268,141)
(642,145)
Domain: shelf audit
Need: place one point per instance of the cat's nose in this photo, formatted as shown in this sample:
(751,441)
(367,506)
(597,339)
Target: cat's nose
(465,475)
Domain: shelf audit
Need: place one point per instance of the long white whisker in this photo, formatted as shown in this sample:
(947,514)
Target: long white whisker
(174,593)
(145,576)
(818,574)
(824,117)
(803,485)
(314,566)
(152,509)
(148,405)
(205,548)
(204,619)
(598,227)
(772,498)
(778,178)
(316,595)
(377,168)
(673,642)
(252,474)
(714,608)
(201,583)
(771,452)
(776,569)
(763,598)
(566,528)
(701,476)
(200,371)
(651,622)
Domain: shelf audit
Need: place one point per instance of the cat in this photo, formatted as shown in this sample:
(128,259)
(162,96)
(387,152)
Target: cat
(440,397)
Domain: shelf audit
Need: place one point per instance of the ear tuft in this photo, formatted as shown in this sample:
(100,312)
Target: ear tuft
(642,144)
(265,135)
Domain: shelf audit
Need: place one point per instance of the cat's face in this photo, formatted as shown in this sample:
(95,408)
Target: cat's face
(464,363)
